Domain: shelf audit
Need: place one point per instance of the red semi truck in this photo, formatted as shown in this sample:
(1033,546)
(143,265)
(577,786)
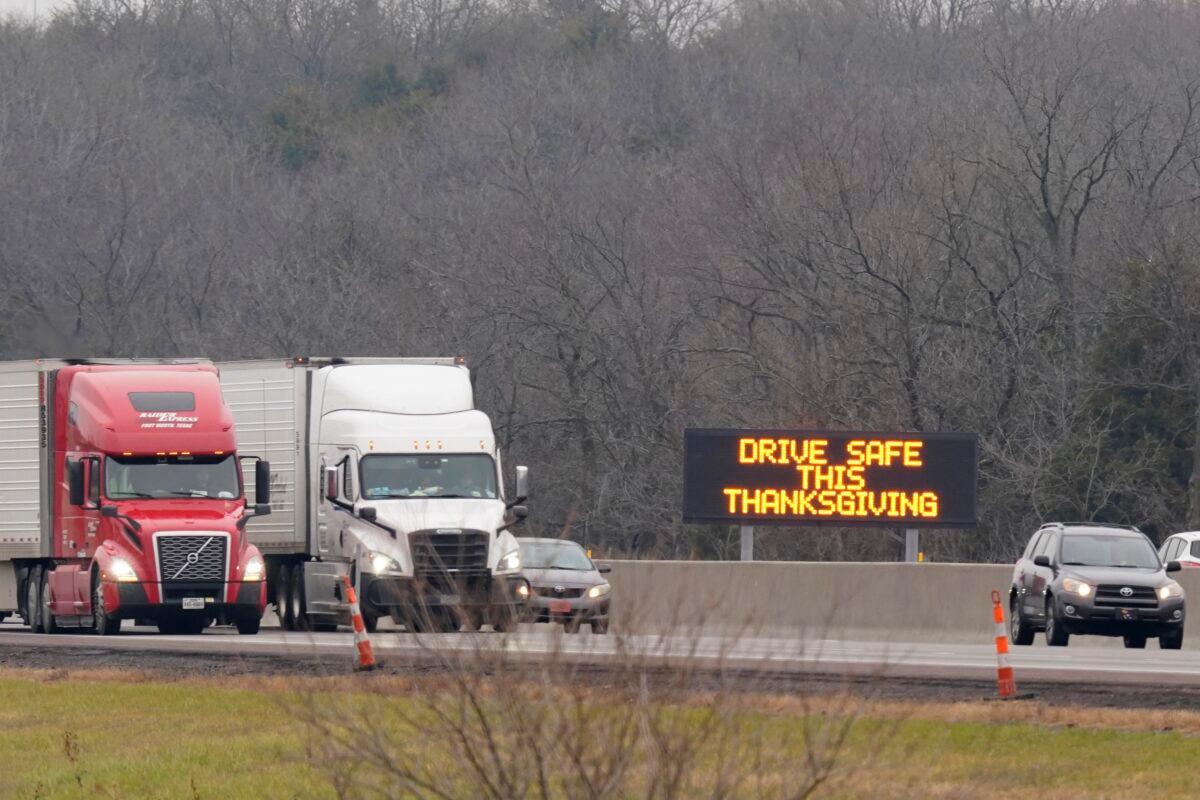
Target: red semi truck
(121,498)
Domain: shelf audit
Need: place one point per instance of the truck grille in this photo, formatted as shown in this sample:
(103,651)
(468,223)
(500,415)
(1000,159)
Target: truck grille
(450,553)
(191,557)
(1109,595)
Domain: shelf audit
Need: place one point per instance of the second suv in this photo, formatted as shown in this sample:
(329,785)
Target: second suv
(1088,578)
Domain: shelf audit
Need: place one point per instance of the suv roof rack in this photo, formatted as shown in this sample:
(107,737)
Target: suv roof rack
(1112,525)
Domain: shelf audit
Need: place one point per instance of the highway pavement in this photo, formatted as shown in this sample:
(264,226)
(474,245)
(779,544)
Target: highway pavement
(1086,661)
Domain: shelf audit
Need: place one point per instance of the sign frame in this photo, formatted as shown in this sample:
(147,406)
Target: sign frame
(689,517)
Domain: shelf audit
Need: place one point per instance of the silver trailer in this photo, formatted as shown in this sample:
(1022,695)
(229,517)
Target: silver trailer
(369,457)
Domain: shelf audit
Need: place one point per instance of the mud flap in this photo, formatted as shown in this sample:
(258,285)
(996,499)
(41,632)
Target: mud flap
(323,590)
(8,589)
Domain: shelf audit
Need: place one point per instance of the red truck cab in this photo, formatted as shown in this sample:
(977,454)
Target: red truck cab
(147,506)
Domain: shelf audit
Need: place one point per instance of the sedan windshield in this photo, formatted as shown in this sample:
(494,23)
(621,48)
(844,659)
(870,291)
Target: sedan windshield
(555,555)
(429,476)
(129,477)
(1085,550)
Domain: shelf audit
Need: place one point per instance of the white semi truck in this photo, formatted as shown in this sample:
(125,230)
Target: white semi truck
(381,470)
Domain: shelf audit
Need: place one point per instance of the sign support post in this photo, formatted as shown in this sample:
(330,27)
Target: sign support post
(911,544)
(747,543)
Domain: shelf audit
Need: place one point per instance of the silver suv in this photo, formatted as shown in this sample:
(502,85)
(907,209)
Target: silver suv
(1089,578)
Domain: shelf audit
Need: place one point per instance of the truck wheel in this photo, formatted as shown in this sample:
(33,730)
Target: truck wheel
(369,622)
(599,626)
(1056,636)
(1135,642)
(283,598)
(296,599)
(248,625)
(1171,641)
(33,600)
(48,623)
(101,621)
(1019,630)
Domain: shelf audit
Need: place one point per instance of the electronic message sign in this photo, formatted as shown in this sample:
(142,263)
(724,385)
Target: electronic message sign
(764,477)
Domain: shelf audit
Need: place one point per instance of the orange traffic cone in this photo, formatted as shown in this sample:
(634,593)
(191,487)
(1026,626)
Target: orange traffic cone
(366,656)
(1005,680)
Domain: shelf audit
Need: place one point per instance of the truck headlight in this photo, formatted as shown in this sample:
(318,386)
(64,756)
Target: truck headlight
(510,562)
(1169,590)
(255,569)
(1077,587)
(599,590)
(382,563)
(122,570)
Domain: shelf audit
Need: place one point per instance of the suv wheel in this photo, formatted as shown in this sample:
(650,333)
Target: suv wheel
(1172,641)
(1019,630)
(1056,635)
(1135,641)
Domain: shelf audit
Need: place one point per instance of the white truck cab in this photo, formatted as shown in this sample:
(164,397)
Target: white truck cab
(387,474)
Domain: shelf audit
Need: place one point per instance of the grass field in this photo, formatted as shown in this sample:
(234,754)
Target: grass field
(90,735)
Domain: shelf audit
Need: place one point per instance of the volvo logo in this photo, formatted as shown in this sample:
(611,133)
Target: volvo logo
(193,558)
(1126,591)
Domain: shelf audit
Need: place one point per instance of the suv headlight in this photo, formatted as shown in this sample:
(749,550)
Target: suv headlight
(599,590)
(1077,587)
(254,570)
(382,563)
(510,561)
(1169,590)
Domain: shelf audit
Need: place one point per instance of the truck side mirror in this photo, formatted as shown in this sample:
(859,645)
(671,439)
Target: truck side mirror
(519,513)
(522,485)
(368,513)
(262,483)
(331,483)
(75,481)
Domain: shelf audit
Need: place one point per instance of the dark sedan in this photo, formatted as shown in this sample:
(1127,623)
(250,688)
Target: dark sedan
(1085,578)
(567,587)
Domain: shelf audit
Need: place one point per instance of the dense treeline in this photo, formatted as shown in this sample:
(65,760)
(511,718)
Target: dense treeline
(637,215)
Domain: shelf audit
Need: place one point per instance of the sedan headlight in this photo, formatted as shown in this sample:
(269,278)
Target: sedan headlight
(599,590)
(1169,590)
(382,563)
(510,561)
(1077,587)
(255,569)
(122,570)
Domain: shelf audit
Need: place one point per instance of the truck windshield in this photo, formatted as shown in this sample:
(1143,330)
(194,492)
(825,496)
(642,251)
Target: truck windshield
(131,476)
(1084,550)
(429,476)
(554,555)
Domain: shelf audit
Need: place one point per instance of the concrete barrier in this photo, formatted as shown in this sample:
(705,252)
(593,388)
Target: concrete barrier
(836,600)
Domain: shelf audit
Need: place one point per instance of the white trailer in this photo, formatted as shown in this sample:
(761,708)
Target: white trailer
(382,470)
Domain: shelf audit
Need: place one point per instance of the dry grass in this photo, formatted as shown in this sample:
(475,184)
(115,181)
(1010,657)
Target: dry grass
(111,733)
(1032,712)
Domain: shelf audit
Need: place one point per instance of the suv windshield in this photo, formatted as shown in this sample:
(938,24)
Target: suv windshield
(129,477)
(429,476)
(1099,550)
(554,555)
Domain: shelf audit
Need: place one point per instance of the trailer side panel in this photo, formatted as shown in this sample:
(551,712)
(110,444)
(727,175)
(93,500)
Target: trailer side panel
(269,409)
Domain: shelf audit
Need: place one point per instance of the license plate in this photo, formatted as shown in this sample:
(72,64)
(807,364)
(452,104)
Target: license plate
(449,599)
(1128,614)
(193,604)
(560,606)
